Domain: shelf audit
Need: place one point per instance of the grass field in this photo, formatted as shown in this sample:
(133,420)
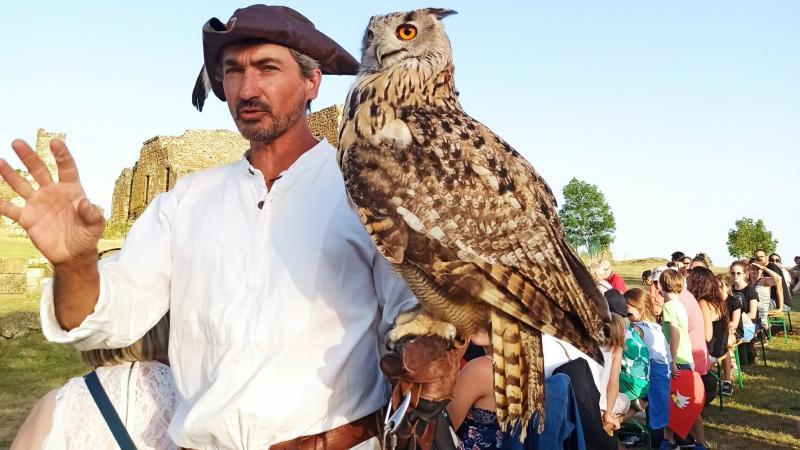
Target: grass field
(764,415)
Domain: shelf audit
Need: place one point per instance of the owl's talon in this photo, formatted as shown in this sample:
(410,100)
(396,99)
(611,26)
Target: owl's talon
(422,325)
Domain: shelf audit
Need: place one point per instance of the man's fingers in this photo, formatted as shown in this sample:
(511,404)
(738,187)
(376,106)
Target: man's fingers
(32,161)
(11,211)
(18,184)
(67,170)
(89,213)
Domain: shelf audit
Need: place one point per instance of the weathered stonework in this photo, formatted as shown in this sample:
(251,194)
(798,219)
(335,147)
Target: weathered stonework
(13,279)
(325,123)
(43,137)
(122,188)
(164,159)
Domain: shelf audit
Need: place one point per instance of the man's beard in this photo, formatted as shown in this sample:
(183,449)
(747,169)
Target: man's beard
(252,131)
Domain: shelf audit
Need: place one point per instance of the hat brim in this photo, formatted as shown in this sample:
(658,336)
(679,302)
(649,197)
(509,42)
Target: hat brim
(278,25)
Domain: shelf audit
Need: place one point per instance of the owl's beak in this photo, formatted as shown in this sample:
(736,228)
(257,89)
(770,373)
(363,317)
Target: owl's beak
(382,53)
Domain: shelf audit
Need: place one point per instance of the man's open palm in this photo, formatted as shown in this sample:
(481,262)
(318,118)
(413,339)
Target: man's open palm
(60,221)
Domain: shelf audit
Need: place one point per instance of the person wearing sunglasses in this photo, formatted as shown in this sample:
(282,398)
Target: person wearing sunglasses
(764,279)
(787,277)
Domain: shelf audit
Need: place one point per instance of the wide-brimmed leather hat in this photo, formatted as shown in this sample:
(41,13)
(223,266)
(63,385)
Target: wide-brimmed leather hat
(276,24)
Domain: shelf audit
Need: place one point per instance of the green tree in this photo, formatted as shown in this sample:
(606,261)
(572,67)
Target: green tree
(586,217)
(749,235)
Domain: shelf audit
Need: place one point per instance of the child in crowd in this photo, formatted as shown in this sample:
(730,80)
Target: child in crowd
(640,312)
(634,376)
(614,404)
(676,331)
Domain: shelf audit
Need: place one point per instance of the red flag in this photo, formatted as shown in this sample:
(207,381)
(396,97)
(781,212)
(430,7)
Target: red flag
(687,396)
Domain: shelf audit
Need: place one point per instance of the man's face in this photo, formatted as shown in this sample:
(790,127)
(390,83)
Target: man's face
(761,257)
(265,89)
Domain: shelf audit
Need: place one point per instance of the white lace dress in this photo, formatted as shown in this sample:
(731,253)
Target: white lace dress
(143,394)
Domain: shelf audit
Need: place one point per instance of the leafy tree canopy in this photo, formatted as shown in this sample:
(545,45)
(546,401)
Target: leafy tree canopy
(586,217)
(749,235)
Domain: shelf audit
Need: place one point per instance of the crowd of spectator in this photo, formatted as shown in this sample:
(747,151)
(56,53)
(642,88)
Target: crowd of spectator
(683,318)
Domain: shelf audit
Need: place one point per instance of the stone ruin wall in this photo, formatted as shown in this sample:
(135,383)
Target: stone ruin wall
(119,203)
(43,137)
(164,159)
(325,123)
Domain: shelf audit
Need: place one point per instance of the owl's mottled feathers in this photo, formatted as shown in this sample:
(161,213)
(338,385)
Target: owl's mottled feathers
(464,218)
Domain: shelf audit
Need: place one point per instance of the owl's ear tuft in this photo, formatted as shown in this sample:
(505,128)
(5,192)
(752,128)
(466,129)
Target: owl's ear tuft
(440,13)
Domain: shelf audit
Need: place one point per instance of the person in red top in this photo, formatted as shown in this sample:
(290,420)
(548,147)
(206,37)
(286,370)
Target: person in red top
(613,278)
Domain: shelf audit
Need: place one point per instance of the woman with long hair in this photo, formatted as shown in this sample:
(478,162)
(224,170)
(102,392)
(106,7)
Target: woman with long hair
(703,285)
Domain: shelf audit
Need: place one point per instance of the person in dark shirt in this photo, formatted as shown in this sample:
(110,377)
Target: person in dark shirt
(734,322)
(743,291)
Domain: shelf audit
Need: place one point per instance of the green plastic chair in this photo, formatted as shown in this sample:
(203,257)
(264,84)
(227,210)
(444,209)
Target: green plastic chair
(739,377)
(633,427)
(778,320)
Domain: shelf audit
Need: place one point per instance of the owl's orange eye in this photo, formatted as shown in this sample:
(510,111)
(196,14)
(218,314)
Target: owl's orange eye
(406,32)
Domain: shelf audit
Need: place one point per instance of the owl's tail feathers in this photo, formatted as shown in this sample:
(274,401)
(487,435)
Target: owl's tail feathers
(518,373)
(534,385)
(514,295)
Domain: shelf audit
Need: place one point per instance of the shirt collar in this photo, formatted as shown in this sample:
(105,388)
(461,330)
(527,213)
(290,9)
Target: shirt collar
(309,158)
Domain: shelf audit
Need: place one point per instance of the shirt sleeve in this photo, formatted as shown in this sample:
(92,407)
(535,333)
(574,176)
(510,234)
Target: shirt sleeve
(134,286)
(669,313)
(394,296)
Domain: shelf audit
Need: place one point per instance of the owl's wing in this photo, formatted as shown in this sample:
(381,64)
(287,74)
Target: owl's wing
(457,198)
(536,246)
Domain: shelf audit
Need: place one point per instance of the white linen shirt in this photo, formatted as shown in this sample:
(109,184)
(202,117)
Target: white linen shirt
(276,311)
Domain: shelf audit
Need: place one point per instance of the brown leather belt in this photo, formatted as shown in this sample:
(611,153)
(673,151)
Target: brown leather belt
(340,438)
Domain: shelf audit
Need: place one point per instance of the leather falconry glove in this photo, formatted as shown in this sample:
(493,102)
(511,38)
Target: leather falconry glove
(427,367)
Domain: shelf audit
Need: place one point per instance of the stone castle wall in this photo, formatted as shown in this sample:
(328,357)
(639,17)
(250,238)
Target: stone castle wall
(42,148)
(164,159)
(122,190)
(43,139)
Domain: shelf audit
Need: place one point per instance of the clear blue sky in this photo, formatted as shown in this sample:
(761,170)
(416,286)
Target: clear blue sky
(686,114)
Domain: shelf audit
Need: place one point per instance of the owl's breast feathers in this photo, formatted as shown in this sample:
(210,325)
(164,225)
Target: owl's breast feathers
(440,191)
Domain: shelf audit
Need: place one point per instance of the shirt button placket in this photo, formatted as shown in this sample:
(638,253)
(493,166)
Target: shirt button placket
(255,265)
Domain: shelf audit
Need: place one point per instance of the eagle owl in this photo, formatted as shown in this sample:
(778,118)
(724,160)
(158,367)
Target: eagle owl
(464,219)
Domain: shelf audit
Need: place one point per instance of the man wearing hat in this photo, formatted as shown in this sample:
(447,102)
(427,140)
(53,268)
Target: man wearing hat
(277,296)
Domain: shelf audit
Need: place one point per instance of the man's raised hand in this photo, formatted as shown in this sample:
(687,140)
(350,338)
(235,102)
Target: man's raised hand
(60,221)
